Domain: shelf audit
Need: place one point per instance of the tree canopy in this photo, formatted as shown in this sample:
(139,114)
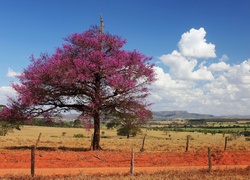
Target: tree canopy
(91,74)
(129,122)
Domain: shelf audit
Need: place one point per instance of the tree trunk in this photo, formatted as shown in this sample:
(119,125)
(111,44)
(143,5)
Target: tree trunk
(128,132)
(96,136)
(96,113)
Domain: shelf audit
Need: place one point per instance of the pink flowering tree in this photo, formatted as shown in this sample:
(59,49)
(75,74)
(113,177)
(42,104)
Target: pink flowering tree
(91,74)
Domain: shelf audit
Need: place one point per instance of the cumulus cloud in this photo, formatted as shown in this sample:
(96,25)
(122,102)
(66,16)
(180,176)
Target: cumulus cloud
(193,44)
(227,94)
(219,89)
(5,92)
(221,66)
(183,68)
(240,74)
(164,80)
(12,73)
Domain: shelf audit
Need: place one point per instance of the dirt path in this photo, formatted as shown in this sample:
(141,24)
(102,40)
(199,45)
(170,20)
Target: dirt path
(71,162)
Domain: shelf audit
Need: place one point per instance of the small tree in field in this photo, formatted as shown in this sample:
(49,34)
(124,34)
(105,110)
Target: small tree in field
(90,74)
(129,123)
(128,131)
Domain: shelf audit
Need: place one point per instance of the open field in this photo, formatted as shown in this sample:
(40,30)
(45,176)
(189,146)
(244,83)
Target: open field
(60,155)
(155,140)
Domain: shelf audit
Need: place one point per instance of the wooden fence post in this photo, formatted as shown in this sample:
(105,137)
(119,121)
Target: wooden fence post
(225,147)
(143,141)
(187,143)
(32,161)
(132,168)
(209,160)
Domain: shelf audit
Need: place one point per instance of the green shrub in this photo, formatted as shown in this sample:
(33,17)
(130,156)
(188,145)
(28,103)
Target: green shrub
(78,136)
(64,133)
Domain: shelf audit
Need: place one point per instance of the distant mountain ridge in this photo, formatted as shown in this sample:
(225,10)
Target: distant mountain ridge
(166,115)
(171,115)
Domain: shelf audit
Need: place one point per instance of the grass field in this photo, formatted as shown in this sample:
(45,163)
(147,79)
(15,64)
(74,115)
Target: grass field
(54,137)
(239,174)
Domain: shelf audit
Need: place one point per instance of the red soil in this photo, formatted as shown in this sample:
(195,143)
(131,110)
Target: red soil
(61,162)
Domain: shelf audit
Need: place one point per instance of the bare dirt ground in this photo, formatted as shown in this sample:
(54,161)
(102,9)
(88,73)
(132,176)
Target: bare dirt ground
(75,162)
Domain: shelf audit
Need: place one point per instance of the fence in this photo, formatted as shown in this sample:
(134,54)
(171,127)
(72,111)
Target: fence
(132,160)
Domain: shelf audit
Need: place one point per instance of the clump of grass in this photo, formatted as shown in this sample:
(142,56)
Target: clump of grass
(53,136)
(79,136)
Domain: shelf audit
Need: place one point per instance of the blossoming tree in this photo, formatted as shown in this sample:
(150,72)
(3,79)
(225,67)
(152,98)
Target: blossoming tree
(91,74)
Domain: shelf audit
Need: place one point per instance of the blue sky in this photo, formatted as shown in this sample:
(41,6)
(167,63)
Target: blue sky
(187,40)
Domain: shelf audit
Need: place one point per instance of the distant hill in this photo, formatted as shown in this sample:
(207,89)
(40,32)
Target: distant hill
(166,115)
(171,115)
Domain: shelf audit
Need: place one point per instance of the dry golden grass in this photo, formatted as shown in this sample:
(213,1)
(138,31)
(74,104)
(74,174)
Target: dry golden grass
(155,140)
(239,174)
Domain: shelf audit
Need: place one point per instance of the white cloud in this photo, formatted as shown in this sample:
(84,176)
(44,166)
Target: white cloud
(219,89)
(12,73)
(225,95)
(183,68)
(240,74)
(165,81)
(6,91)
(221,66)
(193,44)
